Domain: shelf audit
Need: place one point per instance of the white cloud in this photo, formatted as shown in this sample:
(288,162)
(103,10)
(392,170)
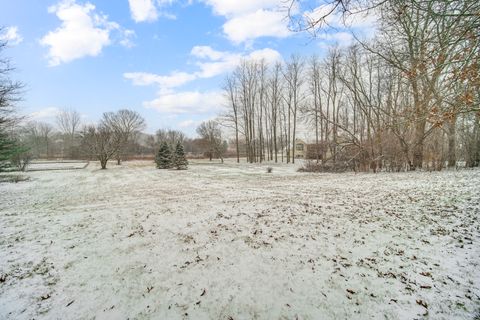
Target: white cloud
(143,10)
(175,79)
(82,33)
(148,10)
(206,52)
(126,39)
(261,23)
(193,102)
(269,55)
(251,19)
(231,8)
(11,36)
(341,38)
(229,61)
(212,63)
(189,124)
(44,114)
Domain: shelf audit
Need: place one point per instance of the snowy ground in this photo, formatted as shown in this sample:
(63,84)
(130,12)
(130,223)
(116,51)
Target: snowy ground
(56,165)
(233,242)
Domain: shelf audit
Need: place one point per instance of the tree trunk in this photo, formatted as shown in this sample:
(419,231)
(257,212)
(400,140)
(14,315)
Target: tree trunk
(103,163)
(418,147)
(236,143)
(452,159)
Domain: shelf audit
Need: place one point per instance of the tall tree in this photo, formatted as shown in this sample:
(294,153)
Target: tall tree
(294,97)
(68,121)
(10,94)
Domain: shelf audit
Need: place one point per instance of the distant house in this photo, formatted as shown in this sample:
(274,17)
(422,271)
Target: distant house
(300,149)
(305,150)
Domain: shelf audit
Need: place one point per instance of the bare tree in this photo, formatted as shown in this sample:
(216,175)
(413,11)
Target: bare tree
(294,97)
(101,143)
(171,137)
(68,121)
(125,124)
(211,133)
(275,85)
(45,130)
(231,93)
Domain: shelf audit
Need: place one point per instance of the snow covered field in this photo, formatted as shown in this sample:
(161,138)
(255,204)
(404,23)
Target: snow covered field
(233,242)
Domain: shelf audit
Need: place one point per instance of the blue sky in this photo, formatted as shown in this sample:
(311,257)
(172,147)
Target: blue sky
(165,59)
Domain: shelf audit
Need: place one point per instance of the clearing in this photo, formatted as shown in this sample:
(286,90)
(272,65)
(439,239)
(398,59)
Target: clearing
(234,242)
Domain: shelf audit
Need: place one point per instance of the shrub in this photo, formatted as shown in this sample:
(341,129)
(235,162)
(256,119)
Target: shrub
(313,166)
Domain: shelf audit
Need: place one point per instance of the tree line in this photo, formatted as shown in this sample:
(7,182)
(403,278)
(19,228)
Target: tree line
(407,99)
(117,136)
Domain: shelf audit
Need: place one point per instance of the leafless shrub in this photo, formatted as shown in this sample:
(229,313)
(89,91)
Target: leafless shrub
(313,166)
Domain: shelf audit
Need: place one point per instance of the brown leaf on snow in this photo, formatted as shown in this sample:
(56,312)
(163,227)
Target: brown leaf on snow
(3,278)
(350,291)
(422,303)
(45,296)
(426,274)
(426,287)
(203,293)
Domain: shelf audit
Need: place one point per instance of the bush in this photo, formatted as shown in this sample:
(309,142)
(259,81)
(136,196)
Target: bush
(269,169)
(313,166)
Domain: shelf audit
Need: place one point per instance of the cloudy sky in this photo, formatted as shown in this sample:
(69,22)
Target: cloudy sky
(165,59)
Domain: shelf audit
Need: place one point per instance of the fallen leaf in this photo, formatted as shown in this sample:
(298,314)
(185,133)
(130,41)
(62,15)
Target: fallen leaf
(203,293)
(45,296)
(422,303)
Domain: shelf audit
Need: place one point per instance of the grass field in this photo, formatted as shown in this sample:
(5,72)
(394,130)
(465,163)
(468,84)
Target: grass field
(234,242)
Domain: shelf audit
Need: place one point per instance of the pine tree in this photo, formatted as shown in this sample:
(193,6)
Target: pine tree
(179,160)
(11,152)
(164,157)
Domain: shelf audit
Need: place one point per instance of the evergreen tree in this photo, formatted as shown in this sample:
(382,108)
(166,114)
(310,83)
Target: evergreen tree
(164,157)
(179,160)
(11,152)
(10,91)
